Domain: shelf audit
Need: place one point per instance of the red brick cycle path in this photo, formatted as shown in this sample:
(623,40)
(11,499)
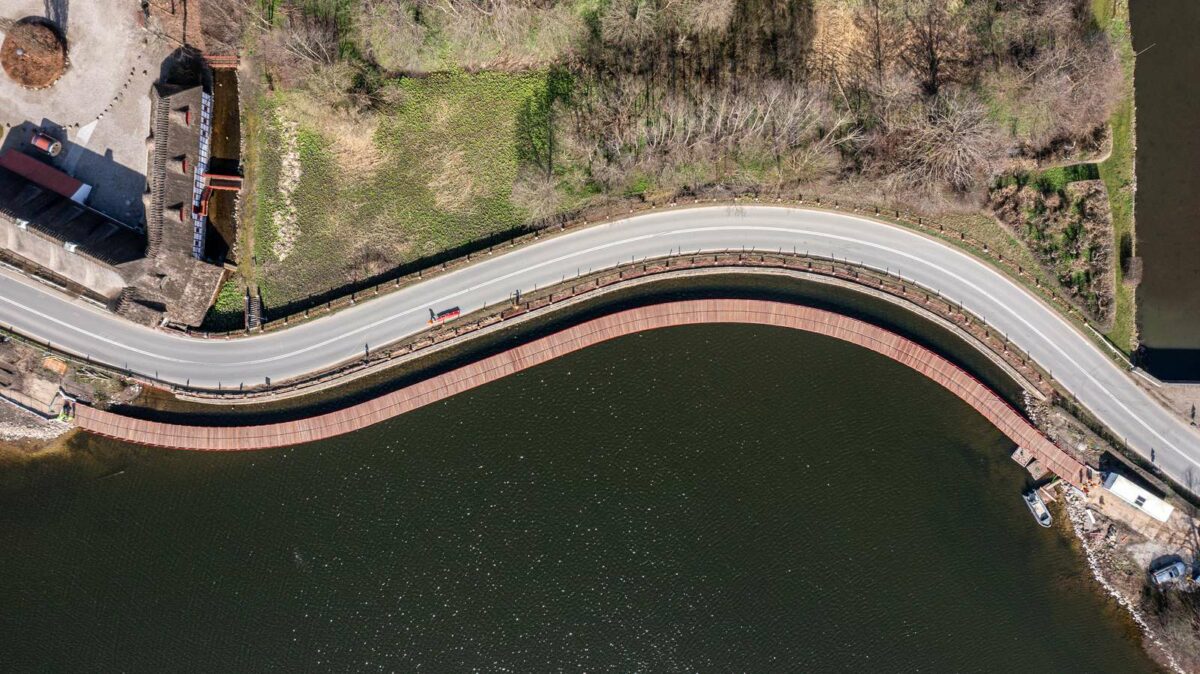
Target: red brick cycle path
(758,312)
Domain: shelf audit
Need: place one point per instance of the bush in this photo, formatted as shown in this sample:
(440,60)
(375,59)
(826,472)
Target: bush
(228,313)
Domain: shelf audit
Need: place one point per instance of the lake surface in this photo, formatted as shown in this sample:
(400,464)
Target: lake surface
(1168,184)
(713,498)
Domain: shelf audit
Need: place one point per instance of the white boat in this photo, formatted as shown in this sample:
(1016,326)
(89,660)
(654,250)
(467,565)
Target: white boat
(1036,506)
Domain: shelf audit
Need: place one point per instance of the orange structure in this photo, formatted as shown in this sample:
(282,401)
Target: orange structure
(757,312)
(219,61)
(214,182)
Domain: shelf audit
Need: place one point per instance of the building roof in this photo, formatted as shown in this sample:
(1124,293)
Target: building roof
(44,175)
(1138,497)
(55,216)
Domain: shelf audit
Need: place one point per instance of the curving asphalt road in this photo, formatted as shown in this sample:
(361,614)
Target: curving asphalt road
(1074,360)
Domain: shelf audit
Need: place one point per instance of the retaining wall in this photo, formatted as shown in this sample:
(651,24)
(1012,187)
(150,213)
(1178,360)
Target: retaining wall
(692,312)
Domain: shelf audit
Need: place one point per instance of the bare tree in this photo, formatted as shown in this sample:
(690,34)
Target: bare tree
(225,21)
(391,34)
(537,193)
(792,124)
(934,31)
(954,146)
(299,46)
(627,23)
(874,20)
(708,17)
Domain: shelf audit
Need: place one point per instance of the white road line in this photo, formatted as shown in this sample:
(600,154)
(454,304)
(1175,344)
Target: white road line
(939,274)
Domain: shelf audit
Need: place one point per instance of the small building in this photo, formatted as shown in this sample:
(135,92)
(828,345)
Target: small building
(1138,497)
(152,273)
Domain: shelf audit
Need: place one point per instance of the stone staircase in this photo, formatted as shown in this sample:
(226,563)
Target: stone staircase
(253,309)
(121,304)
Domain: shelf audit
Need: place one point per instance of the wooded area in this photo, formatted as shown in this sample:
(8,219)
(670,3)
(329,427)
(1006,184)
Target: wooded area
(919,94)
(921,103)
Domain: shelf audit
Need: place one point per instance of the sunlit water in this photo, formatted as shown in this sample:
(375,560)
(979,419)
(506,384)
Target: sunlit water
(716,498)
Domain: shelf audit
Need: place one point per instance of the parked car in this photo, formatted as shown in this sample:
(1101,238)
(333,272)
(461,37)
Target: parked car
(1169,573)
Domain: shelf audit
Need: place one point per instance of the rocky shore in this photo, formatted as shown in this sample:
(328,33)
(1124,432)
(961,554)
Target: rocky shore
(1118,557)
(26,428)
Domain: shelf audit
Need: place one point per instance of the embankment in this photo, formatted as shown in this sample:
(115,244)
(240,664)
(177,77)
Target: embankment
(759,312)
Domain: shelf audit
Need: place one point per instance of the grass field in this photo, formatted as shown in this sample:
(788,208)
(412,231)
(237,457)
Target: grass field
(433,171)
(1118,172)
(337,195)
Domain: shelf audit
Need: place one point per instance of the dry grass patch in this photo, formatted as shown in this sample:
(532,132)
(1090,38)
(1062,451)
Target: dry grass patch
(452,185)
(432,169)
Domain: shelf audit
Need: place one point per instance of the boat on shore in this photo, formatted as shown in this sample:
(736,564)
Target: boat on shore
(1038,507)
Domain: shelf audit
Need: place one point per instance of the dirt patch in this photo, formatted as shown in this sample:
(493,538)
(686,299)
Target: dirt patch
(286,227)
(33,53)
(1184,398)
(55,365)
(1069,229)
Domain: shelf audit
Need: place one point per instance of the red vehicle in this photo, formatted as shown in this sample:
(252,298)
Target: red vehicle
(46,143)
(444,315)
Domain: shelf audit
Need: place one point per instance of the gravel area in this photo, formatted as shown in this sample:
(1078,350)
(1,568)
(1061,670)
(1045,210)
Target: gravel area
(19,424)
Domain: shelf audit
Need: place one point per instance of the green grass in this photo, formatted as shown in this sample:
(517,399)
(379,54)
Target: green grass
(1117,172)
(1056,179)
(266,197)
(444,163)
(1050,180)
(228,313)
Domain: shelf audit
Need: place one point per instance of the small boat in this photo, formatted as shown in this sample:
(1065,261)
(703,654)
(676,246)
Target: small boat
(1036,506)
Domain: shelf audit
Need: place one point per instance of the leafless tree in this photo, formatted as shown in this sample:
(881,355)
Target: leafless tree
(934,33)
(876,23)
(708,17)
(627,23)
(537,193)
(792,124)
(391,35)
(953,146)
(299,46)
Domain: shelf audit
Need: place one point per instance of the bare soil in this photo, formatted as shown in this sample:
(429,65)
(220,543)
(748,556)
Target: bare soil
(33,54)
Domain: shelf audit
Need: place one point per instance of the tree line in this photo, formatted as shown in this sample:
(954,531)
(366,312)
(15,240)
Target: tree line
(914,95)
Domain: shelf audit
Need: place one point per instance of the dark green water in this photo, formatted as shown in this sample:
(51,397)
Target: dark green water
(1168,184)
(716,498)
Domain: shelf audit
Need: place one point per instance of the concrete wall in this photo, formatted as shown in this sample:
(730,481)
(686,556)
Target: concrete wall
(51,255)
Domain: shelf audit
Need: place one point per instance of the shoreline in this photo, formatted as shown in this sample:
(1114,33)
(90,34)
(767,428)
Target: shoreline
(24,427)
(1098,563)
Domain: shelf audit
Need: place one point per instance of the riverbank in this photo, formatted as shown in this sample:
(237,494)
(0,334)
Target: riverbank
(863,279)
(1118,557)
(666,514)
(27,430)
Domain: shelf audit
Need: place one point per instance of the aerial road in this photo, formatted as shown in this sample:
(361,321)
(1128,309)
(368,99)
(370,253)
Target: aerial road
(1075,361)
